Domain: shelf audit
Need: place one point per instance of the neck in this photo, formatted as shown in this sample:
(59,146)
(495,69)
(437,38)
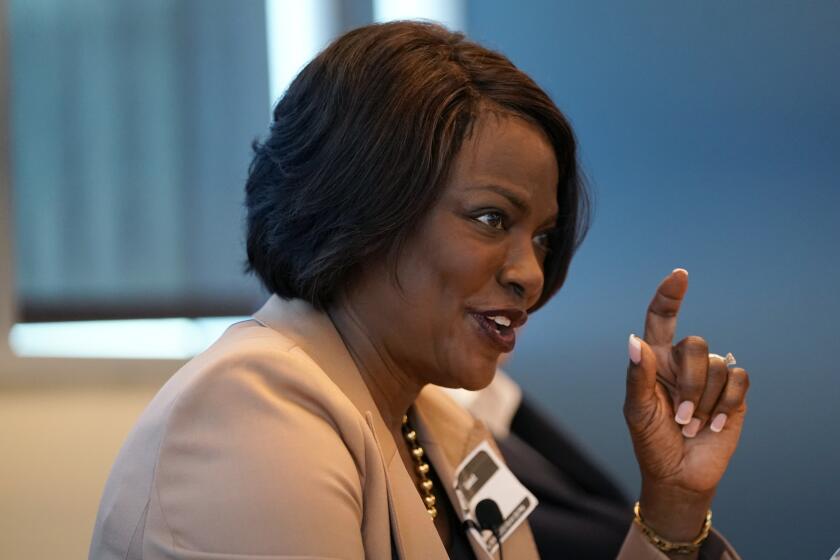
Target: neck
(393,389)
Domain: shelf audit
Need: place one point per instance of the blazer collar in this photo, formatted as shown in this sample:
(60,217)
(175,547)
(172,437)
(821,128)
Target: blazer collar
(314,332)
(413,531)
(447,432)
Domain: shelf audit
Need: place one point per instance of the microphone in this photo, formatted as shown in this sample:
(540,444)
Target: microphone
(489,518)
(488,514)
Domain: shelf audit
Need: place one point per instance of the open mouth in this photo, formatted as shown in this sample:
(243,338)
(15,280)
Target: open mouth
(500,322)
(497,329)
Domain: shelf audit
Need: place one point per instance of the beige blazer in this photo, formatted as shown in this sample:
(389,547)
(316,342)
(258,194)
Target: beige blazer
(269,446)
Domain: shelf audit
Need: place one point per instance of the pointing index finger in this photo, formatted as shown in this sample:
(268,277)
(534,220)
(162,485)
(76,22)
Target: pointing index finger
(661,319)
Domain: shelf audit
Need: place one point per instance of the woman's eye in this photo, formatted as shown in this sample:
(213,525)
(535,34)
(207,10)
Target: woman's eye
(493,219)
(543,241)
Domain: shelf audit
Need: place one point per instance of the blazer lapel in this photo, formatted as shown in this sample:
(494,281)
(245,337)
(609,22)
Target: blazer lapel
(413,531)
(448,433)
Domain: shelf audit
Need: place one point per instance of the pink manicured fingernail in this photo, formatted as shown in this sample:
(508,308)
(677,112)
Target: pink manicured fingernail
(679,270)
(634,348)
(684,412)
(718,423)
(692,428)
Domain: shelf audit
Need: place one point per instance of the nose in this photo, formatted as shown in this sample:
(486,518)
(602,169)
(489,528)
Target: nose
(522,272)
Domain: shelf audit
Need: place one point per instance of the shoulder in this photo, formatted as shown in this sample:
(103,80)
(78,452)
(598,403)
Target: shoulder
(254,384)
(257,438)
(252,368)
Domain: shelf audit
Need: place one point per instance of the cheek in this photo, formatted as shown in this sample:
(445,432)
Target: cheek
(441,275)
(448,271)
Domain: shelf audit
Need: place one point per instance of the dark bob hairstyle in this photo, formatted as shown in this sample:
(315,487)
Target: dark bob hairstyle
(361,145)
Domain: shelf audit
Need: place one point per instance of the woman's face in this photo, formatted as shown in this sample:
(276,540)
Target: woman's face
(475,265)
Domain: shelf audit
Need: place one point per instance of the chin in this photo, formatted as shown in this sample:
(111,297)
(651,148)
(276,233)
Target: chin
(480,376)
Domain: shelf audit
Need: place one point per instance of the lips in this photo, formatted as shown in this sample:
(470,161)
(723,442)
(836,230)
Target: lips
(497,326)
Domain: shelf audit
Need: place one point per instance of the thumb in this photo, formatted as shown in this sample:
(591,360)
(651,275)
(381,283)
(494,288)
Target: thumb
(641,375)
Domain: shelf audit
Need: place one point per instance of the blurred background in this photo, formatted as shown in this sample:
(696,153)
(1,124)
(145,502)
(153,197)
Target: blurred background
(710,133)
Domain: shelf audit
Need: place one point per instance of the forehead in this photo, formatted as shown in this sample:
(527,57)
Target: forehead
(511,152)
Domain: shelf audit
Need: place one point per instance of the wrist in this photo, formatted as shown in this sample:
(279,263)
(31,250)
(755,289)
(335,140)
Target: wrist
(674,513)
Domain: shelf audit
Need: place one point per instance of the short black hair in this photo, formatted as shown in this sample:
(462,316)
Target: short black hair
(361,144)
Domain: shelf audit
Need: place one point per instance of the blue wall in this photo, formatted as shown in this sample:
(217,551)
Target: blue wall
(710,132)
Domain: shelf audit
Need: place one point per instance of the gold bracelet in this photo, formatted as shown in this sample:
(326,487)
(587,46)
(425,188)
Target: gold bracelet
(668,546)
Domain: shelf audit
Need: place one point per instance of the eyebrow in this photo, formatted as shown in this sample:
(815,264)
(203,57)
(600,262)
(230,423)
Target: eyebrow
(511,196)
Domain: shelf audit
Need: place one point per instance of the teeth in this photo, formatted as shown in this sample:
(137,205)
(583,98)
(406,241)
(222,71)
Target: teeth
(501,320)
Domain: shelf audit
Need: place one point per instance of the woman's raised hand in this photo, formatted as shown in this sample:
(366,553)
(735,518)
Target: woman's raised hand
(684,408)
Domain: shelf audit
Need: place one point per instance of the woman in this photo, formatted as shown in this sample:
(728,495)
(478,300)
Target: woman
(416,198)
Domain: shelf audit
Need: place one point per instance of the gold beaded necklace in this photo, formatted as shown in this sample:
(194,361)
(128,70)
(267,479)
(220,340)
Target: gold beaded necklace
(421,466)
